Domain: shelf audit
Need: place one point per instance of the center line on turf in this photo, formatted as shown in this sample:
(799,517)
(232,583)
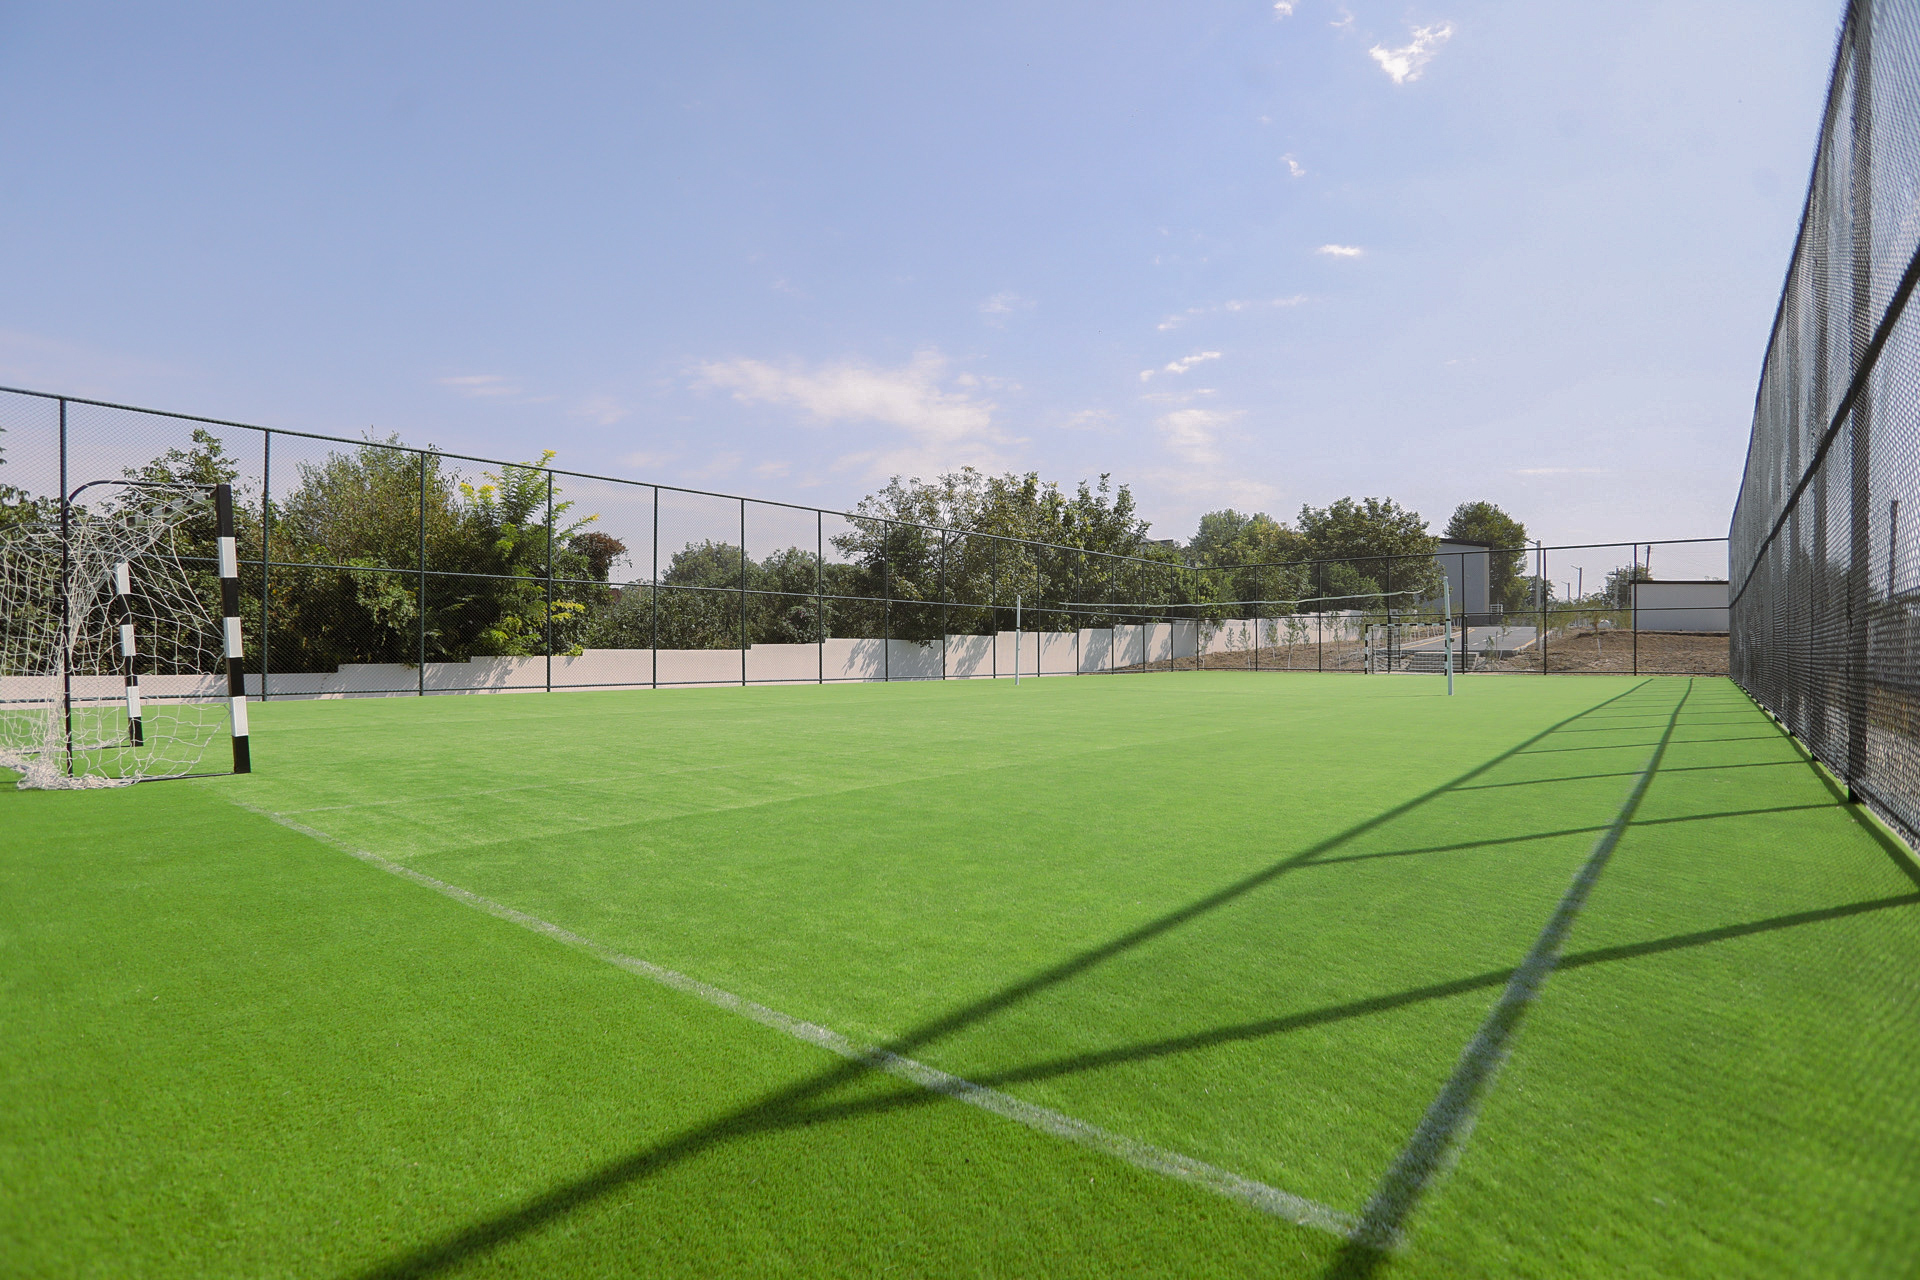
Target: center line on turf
(1443,1131)
(1143,1155)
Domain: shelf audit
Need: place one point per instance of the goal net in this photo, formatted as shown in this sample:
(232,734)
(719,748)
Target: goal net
(113,665)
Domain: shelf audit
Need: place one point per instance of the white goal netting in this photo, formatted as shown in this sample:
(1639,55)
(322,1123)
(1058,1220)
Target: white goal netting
(127,681)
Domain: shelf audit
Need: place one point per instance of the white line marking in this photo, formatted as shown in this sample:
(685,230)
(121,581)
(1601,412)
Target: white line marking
(1443,1131)
(1257,1195)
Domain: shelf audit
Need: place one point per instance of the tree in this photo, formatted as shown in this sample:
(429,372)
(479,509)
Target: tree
(1382,546)
(953,553)
(357,524)
(17,506)
(1484,522)
(1251,553)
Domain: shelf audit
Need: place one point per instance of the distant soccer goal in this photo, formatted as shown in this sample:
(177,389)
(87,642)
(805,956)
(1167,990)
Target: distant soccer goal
(120,646)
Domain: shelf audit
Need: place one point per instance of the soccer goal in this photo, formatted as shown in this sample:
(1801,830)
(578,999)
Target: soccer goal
(120,649)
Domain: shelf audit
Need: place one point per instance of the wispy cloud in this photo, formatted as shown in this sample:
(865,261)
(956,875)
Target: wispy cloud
(604,410)
(1559,471)
(1088,420)
(1293,167)
(645,460)
(1002,305)
(1181,365)
(1191,434)
(1179,318)
(1282,9)
(1407,62)
(481,386)
(1340,250)
(945,428)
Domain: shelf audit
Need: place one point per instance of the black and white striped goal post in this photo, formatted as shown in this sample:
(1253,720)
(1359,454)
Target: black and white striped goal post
(230,625)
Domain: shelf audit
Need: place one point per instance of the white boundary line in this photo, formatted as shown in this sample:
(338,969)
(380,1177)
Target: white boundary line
(1257,1195)
(1443,1131)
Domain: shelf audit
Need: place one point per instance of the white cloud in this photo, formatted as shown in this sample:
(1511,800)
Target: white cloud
(1088,420)
(480,386)
(1181,365)
(1190,433)
(1340,250)
(1005,304)
(945,429)
(604,410)
(1282,9)
(1345,21)
(1179,318)
(1293,167)
(1187,362)
(1407,62)
(1559,471)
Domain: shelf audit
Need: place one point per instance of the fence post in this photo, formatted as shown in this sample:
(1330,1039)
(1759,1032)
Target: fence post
(743,593)
(549,645)
(653,590)
(423,576)
(266,559)
(820,586)
(66,592)
(886,605)
(1540,597)
(1633,606)
(1860,434)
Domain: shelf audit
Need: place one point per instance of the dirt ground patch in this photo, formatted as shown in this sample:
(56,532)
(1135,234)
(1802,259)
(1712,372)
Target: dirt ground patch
(1689,653)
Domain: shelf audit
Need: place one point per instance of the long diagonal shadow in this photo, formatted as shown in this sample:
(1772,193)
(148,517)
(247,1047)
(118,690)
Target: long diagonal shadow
(1493,842)
(1634,773)
(781,1107)
(1264,1027)
(774,1118)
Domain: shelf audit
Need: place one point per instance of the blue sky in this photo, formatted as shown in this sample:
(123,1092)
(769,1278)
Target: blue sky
(1234,253)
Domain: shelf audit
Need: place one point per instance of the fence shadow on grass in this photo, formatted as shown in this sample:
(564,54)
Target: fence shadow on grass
(801,1104)
(782,1108)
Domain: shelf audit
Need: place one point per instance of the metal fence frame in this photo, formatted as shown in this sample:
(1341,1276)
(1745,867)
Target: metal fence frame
(1050,611)
(1824,615)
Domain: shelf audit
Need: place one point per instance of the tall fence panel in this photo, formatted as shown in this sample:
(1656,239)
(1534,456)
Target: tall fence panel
(1823,594)
(373,568)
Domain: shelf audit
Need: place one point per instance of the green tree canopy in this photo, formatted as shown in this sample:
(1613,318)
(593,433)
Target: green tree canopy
(1380,544)
(1248,551)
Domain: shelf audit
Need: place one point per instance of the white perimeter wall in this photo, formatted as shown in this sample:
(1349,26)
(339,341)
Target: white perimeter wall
(1044,653)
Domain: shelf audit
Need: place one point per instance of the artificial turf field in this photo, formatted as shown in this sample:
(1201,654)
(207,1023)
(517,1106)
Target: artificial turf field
(408,1000)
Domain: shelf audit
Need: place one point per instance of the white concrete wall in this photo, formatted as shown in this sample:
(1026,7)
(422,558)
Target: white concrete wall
(1680,606)
(1047,653)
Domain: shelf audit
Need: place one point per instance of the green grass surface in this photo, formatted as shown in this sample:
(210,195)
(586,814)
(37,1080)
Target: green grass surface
(1249,919)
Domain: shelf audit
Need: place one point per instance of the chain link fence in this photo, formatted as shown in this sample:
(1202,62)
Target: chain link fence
(369,568)
(1823,576)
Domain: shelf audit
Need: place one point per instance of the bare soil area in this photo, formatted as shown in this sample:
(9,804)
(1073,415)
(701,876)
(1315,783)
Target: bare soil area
(1688,653)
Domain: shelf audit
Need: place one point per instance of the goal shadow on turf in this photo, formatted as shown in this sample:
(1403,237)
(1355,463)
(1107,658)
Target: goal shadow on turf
(806,1102)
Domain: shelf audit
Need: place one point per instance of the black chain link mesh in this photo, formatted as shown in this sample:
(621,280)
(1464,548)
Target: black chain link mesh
(1823,591)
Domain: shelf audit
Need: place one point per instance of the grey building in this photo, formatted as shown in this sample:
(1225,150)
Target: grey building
(1466,566)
